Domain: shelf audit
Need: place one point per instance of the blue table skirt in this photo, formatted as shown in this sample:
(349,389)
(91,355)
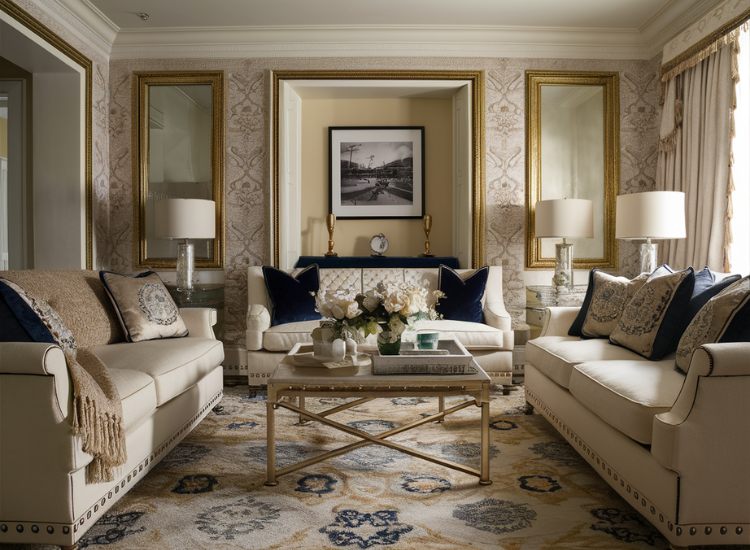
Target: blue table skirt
(327,262)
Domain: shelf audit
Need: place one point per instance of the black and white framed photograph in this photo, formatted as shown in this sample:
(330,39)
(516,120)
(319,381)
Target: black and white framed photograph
(376,172)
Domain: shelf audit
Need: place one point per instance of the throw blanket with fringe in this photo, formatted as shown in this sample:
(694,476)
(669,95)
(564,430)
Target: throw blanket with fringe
(97,408)
(97,415)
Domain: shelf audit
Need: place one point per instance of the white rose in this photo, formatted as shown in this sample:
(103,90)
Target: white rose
(395,302)
(353,310)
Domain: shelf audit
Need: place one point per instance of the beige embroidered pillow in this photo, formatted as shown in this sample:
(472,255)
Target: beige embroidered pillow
(651,318)
(710,324)
(144,306)
(611,295)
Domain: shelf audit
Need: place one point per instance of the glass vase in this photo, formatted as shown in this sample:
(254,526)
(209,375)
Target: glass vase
(389,343)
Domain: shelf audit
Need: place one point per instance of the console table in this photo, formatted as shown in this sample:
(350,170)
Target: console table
(408,262)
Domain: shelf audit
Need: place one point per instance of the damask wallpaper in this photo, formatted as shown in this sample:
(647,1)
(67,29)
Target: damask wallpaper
(247,166)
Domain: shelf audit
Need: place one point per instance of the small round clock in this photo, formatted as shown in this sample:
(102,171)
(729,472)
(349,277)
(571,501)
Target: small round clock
(378,245)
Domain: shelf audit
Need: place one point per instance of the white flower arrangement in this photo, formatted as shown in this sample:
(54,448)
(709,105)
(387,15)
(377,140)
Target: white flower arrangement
(387,310)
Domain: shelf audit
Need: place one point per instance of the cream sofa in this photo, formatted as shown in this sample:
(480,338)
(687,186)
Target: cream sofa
(166,386)
(675,447)
(491,342)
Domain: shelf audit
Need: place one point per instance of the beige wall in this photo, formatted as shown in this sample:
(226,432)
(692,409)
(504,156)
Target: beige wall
(352,237)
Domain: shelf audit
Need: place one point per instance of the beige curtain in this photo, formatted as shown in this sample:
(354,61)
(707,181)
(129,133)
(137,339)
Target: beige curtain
(694,157)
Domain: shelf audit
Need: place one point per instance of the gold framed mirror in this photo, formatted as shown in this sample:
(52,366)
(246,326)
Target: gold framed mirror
(573,151)
(178,145)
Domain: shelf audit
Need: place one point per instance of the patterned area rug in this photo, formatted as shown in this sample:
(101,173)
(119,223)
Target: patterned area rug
(209,493)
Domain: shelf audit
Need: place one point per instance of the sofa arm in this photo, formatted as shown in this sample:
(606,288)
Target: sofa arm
(199,321)
(38,359)
(558,320)
(258,321)
(705,436)
(496,316)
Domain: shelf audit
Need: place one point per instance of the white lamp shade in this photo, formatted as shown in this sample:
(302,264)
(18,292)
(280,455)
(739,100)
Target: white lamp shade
(566,218)
(184,219)
(651,215)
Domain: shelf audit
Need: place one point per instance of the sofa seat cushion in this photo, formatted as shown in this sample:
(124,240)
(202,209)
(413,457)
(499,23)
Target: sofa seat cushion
(283,337)
(137,392)
(474,336)
(175,364)
(556,356)
(628,394)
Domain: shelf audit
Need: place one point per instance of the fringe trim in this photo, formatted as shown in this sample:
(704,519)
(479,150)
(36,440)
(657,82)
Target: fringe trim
(728,38)
(728,236)
(668,144)
(101,436)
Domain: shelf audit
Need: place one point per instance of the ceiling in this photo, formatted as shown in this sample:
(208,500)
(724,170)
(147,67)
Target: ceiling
(632,29)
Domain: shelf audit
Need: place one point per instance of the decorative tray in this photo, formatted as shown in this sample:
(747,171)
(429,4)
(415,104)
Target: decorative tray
(450,357)
(307,359)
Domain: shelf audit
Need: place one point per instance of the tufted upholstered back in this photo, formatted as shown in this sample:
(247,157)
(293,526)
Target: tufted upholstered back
(362,280)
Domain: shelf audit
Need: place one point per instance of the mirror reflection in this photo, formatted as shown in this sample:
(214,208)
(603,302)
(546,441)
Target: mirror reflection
(573,152)
(180,123)
(573,156)
(179,155)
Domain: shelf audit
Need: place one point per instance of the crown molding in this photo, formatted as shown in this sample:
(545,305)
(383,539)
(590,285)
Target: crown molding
(658,33)
(364,41)
(84,20)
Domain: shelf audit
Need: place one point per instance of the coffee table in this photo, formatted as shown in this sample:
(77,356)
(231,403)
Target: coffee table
(359,382)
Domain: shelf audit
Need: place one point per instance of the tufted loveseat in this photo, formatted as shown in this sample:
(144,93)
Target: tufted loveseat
(490,342)
(166,387)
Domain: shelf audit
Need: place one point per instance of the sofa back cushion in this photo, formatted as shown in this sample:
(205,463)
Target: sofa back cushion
(79,298)
(365,279)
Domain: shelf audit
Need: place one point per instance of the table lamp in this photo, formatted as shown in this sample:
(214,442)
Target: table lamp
(185,219)
(566,218)
(650,215)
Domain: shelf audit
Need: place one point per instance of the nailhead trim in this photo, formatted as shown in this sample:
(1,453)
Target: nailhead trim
(565,430)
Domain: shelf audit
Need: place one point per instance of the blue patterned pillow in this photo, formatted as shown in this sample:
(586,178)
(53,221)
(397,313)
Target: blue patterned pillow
(463,297)
(291,296)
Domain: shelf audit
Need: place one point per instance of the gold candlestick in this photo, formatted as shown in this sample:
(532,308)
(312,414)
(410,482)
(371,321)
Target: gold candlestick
(427,224)
(330,222)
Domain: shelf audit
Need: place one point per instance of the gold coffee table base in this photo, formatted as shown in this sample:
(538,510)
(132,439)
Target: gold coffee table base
(360,383)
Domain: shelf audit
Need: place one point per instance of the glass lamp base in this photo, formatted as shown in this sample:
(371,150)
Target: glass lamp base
(563,265)
(185,267)
(648,252)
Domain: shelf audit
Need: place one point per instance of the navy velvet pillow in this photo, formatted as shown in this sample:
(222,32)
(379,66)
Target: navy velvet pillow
(576,329)
(18,322)
(291,298)
(699,299)
(463,297)
(675,312)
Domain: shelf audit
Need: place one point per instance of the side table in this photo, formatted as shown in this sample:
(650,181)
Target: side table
(202,296)
(539,297)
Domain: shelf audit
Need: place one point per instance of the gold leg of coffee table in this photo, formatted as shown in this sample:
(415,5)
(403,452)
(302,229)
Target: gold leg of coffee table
(484,478)
(441,408)
(302,419)
(271,442)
